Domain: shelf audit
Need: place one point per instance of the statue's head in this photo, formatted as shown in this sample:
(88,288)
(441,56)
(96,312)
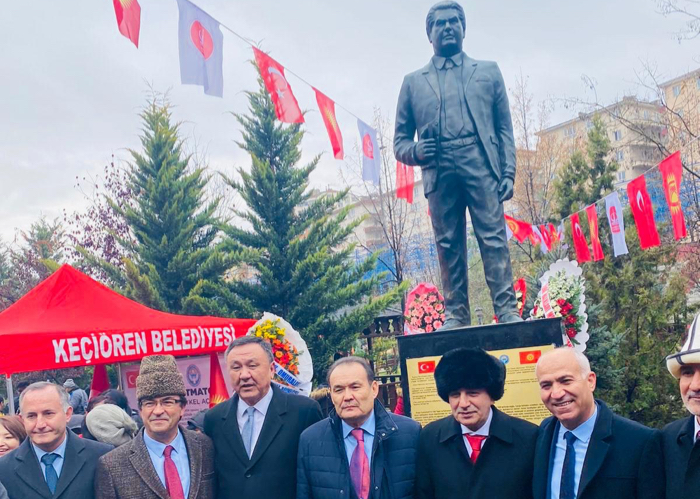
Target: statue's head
(446,25)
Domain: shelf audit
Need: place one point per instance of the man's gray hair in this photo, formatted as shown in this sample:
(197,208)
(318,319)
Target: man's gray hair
(581,359)
(250,340)
(447,4)
(40,385)
(351,360)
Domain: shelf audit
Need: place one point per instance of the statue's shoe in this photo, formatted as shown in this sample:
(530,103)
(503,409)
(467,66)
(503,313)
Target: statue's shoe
(510,318)
(453,323)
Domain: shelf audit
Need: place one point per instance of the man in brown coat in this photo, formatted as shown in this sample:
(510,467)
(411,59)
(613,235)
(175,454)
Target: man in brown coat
(164,460)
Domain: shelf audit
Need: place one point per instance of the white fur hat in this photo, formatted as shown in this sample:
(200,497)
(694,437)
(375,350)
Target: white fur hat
(689,354)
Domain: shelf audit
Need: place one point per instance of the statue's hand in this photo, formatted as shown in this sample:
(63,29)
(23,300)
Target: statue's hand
(426,149)
(505,189)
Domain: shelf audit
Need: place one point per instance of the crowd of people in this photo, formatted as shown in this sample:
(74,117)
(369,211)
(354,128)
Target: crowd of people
(265,443)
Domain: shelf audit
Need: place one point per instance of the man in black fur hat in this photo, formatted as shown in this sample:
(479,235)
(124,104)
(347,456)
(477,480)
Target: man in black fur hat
(477,451)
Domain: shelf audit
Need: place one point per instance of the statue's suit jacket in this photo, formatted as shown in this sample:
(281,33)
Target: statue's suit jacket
(20,471)
(128,473)
(419,109)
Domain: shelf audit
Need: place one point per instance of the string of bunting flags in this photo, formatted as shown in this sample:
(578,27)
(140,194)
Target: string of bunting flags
(546,236)
(201,63)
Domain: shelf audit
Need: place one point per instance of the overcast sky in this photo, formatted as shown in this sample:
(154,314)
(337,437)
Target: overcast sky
(71,86)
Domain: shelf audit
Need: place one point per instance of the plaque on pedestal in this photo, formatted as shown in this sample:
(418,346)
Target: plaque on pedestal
(518,345)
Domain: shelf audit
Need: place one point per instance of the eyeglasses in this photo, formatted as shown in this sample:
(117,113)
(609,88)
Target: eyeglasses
(167,403)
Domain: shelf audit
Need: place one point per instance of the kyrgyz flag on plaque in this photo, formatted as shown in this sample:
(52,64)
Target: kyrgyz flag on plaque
(643,212)
(217,386)
(404,182)
(580,243)
(370,152)
(521,230)
(272,72)
(327,108)
(613,208)
(128,19)
(201,49)
(595,238)
(672,171)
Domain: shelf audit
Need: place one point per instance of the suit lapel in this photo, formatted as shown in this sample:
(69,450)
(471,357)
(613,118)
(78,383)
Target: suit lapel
(141,461)
(194,454)
(451,435)
(468,69)
(73,462)
(29,469)
(272,425)
(543,458)
(233,433)
(430,74)
(597,447)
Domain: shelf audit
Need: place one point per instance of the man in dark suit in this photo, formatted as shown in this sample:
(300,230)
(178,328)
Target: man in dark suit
(681,451)
(256,432)
(459,108)
(477,452)
(163,461)
(52,462)
(360,450)
(584,451)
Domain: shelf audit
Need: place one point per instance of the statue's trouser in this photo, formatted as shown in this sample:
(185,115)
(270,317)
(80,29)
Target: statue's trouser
(465,180)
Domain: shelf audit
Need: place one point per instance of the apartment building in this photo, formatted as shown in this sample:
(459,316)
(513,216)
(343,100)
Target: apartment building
(681,98)
(630,124)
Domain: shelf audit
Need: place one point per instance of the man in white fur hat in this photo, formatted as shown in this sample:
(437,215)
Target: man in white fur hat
(681,454)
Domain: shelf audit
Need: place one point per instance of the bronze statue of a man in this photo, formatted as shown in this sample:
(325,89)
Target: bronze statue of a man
(459,109)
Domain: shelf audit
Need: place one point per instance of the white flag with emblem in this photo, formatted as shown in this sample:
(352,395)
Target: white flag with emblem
(613,208)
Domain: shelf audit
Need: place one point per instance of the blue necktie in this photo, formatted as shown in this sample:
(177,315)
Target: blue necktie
(568,470)
(51,476)
(247,433)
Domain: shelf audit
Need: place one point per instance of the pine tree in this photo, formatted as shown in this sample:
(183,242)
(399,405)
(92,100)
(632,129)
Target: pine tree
(171,220)
(583,180)
(297,246)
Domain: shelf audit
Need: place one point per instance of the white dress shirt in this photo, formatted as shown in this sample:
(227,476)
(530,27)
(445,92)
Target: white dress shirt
(258,416)
(483,431)
(697,428)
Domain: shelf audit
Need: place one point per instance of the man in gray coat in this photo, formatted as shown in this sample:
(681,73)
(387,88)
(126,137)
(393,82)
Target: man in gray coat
(52,462)
(164,460)
(459,109)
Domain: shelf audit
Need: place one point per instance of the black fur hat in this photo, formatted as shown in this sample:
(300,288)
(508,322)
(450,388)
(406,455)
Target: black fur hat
(472,369)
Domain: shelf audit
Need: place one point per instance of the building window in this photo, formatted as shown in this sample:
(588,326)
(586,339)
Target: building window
(569,132)
(676,90)
(646,114)
(697,83)
(621,176)
(620,155)
(589,124)
(617,135)
(680,113)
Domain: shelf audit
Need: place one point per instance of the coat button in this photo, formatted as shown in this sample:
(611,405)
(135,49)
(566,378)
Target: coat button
(376,487)
(248,475)
(342,491)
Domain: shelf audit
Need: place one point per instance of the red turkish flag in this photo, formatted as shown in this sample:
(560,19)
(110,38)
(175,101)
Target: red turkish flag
(327,108)
(672,172)
(580,243)
(272,72)
(643,212)
(217,386)
(404,182)
(521,230)
(128,19)
(595,238)
(426,367)
(100,380)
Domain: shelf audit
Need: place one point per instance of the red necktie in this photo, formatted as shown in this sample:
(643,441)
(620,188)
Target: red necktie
(359,465)
(475,441)
(172,477)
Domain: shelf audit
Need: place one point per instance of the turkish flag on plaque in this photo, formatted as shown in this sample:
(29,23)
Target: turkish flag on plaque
(272,72)
(643,213)
(580,243)
(426,367)
(595,239)
(672,171)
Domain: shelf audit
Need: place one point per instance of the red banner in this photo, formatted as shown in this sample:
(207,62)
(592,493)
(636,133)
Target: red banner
(643,213)
(580,243)
(672,173)
(404,182)
(595,238)
(327,108)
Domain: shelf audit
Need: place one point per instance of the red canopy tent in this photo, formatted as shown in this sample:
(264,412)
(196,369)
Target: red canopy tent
(72,320)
